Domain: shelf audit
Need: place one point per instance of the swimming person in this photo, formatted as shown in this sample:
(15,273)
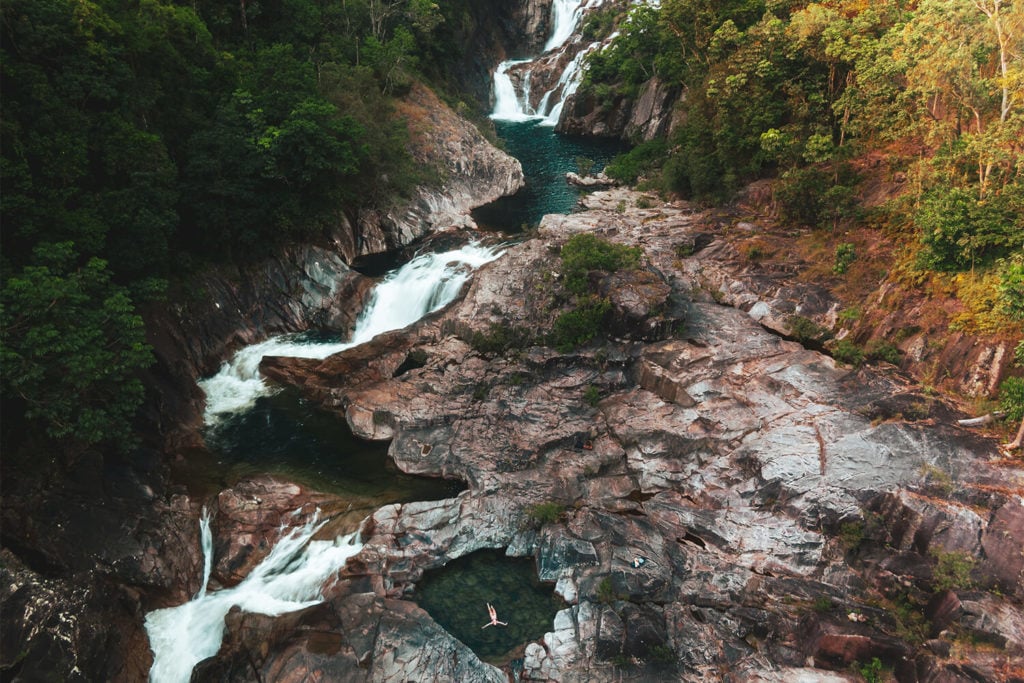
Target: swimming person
(494,618)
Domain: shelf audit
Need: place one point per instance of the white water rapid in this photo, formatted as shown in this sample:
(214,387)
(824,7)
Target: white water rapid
(423,285)
(565,15)
(290,578)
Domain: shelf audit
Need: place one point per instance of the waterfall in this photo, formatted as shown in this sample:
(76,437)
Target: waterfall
(507,104)
(290,578)
(206,538)
(568,83)
(423,285)
(510,105)
(565,15)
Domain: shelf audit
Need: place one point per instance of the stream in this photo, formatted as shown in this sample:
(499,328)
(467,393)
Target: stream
(253,427)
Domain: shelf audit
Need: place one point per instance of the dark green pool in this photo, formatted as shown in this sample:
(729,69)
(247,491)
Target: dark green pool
(457,594)
(287,436)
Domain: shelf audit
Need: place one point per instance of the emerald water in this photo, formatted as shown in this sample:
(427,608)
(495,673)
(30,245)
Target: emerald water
(456,596)
(287,436)
(546,158)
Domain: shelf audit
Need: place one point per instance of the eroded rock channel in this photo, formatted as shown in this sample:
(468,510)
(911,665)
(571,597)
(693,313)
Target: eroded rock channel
(710,500)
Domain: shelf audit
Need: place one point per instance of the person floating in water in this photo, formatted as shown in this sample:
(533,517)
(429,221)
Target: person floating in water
(494,618)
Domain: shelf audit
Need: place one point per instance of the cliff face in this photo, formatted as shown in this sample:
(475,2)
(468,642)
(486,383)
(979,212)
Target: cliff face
(472,173)
(493,31)
(650,115)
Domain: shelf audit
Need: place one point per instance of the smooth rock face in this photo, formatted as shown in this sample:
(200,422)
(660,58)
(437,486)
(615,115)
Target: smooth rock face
(733,501)
(474,173)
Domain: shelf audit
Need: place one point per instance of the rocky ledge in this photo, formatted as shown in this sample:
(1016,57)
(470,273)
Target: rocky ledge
(799,520)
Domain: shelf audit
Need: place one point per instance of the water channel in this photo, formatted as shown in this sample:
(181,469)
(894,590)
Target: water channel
(256,428)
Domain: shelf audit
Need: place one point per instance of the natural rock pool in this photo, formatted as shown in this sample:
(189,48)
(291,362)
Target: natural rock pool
(456,596)
(286,436)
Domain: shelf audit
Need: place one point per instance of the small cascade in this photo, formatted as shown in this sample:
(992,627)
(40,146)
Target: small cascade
(206,540)
(290,578)
(507,104)
(568,83)
(423,285)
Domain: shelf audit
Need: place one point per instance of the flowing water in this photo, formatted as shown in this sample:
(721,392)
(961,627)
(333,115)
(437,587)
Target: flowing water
(425,284)
(290,578)
(256,428)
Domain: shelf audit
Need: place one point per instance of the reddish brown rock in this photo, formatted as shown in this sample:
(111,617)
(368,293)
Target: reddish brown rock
(252,515)
(1003,542)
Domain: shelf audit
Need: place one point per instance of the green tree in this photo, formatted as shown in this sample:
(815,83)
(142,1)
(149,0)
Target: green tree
(71,344)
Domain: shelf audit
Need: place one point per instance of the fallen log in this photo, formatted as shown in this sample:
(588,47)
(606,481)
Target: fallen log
(978,421)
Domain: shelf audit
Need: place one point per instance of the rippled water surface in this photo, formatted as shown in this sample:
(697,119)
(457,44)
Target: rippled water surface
(546,158)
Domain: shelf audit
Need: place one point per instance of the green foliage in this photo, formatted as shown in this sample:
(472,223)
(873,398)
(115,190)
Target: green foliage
(959,231)
(799,195)
(845,351)
(584,165)
(846,253)
(938,480)
(71,347)
(849,315)
(884,351)
(806,331)
(799,89)
(661,654)
(606,591)
(873,671)
(637,162)
(498,339)
(851,535)
(952,570)
(576,327)
(585,252)
(911,624)
(599,24)
(813,197)
(592,395)
(544,513)
(1011,398)
(1011,287)
(823,604)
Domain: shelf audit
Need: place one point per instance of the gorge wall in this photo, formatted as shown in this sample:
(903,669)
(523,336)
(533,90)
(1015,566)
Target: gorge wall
(91,537)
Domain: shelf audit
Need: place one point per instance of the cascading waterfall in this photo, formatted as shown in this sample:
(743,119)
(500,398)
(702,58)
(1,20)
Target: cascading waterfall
(565,16)
(423,285)
(290,578)
(510,105)
(568,83)
(507,105)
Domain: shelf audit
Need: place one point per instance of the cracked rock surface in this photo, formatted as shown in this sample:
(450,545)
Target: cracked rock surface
(796,518)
